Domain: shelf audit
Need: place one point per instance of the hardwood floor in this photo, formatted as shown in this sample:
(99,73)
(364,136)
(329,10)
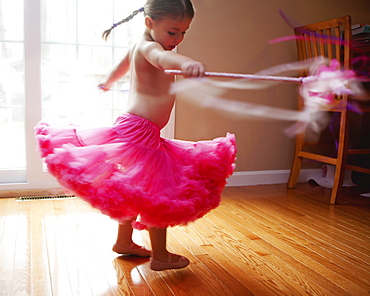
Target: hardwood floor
(262,240)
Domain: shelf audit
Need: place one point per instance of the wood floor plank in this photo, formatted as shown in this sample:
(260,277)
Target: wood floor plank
(320,246)
(307,222)
(7,245)
(154,280)
(88,260)
(21,283)
(60,279)
(225,276)
(81,264)
(339,214)
(278,241)
(193,241)
(314,261)
(284,258)
(334,272)
(100,235)
(129,279)
(339,249)
(3,213)
(274,269)
(319,213)
(262,240)
(178,242)
(358,265)
(331,236)
(242,263)
(337,274)
(313,276)
(286,267)
(216,287)
(348,230)
(40,273)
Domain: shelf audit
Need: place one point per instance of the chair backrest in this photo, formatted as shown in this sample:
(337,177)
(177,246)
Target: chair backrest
(330,39)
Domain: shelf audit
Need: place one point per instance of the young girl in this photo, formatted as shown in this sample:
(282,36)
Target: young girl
(127,170)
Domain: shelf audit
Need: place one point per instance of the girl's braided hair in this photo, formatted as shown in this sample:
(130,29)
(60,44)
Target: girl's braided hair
(159,9)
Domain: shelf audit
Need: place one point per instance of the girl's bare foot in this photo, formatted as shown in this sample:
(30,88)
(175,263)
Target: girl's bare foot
(173,262)
(133,250)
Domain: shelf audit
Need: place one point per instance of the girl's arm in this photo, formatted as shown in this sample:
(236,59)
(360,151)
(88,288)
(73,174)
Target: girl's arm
(121,69)
(165,60)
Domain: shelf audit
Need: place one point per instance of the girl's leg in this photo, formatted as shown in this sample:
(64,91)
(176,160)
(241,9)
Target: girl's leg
(161,258)
(125,244)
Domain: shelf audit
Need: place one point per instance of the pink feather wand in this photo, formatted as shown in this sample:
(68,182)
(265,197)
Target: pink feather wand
(327,82)
(318,92)
(242,76)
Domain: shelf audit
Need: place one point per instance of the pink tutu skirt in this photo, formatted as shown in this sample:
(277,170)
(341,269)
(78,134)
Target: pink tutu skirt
(128,170)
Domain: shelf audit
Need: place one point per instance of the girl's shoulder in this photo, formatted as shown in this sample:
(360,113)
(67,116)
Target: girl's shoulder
(146,46)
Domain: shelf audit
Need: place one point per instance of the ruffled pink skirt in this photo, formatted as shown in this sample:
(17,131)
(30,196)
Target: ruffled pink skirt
(128,170)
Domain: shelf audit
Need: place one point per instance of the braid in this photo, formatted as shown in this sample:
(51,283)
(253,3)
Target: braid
(130,17)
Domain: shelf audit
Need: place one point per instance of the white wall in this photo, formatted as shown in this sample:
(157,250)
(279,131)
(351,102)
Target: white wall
(233,36)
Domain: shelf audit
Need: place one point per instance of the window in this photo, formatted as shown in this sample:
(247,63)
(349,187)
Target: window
(12,102)
(52,59)
(75,58)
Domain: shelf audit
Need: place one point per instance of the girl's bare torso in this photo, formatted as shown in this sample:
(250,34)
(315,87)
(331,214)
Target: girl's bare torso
(149,94)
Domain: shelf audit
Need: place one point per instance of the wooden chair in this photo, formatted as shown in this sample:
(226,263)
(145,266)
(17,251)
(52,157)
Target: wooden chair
(313,42)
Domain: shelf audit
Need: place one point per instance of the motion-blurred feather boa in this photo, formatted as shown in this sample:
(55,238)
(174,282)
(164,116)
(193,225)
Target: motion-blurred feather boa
(318,90)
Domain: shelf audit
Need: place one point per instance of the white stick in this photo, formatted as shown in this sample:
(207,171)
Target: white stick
(242,76)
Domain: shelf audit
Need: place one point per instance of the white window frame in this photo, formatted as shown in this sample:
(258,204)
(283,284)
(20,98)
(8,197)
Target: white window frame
(35,176)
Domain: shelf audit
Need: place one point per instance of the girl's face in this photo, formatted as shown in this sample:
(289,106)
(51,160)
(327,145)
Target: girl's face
(167,32)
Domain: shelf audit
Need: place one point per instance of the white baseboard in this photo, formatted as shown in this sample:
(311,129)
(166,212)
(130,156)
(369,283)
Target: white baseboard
(270,177)
(237,179)
(25,185)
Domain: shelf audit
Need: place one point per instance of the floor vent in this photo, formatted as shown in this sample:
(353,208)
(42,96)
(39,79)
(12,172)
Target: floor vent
(46,197)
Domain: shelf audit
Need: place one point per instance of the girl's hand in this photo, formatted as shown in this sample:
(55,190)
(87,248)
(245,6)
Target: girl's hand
(192,69)
(103,86)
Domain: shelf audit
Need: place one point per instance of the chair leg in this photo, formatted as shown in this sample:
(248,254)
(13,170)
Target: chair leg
(338,182)
(297,163)
(341,156)
(294,172)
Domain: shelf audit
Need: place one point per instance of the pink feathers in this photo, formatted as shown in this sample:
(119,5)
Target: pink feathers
(328,81)
(318,91)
